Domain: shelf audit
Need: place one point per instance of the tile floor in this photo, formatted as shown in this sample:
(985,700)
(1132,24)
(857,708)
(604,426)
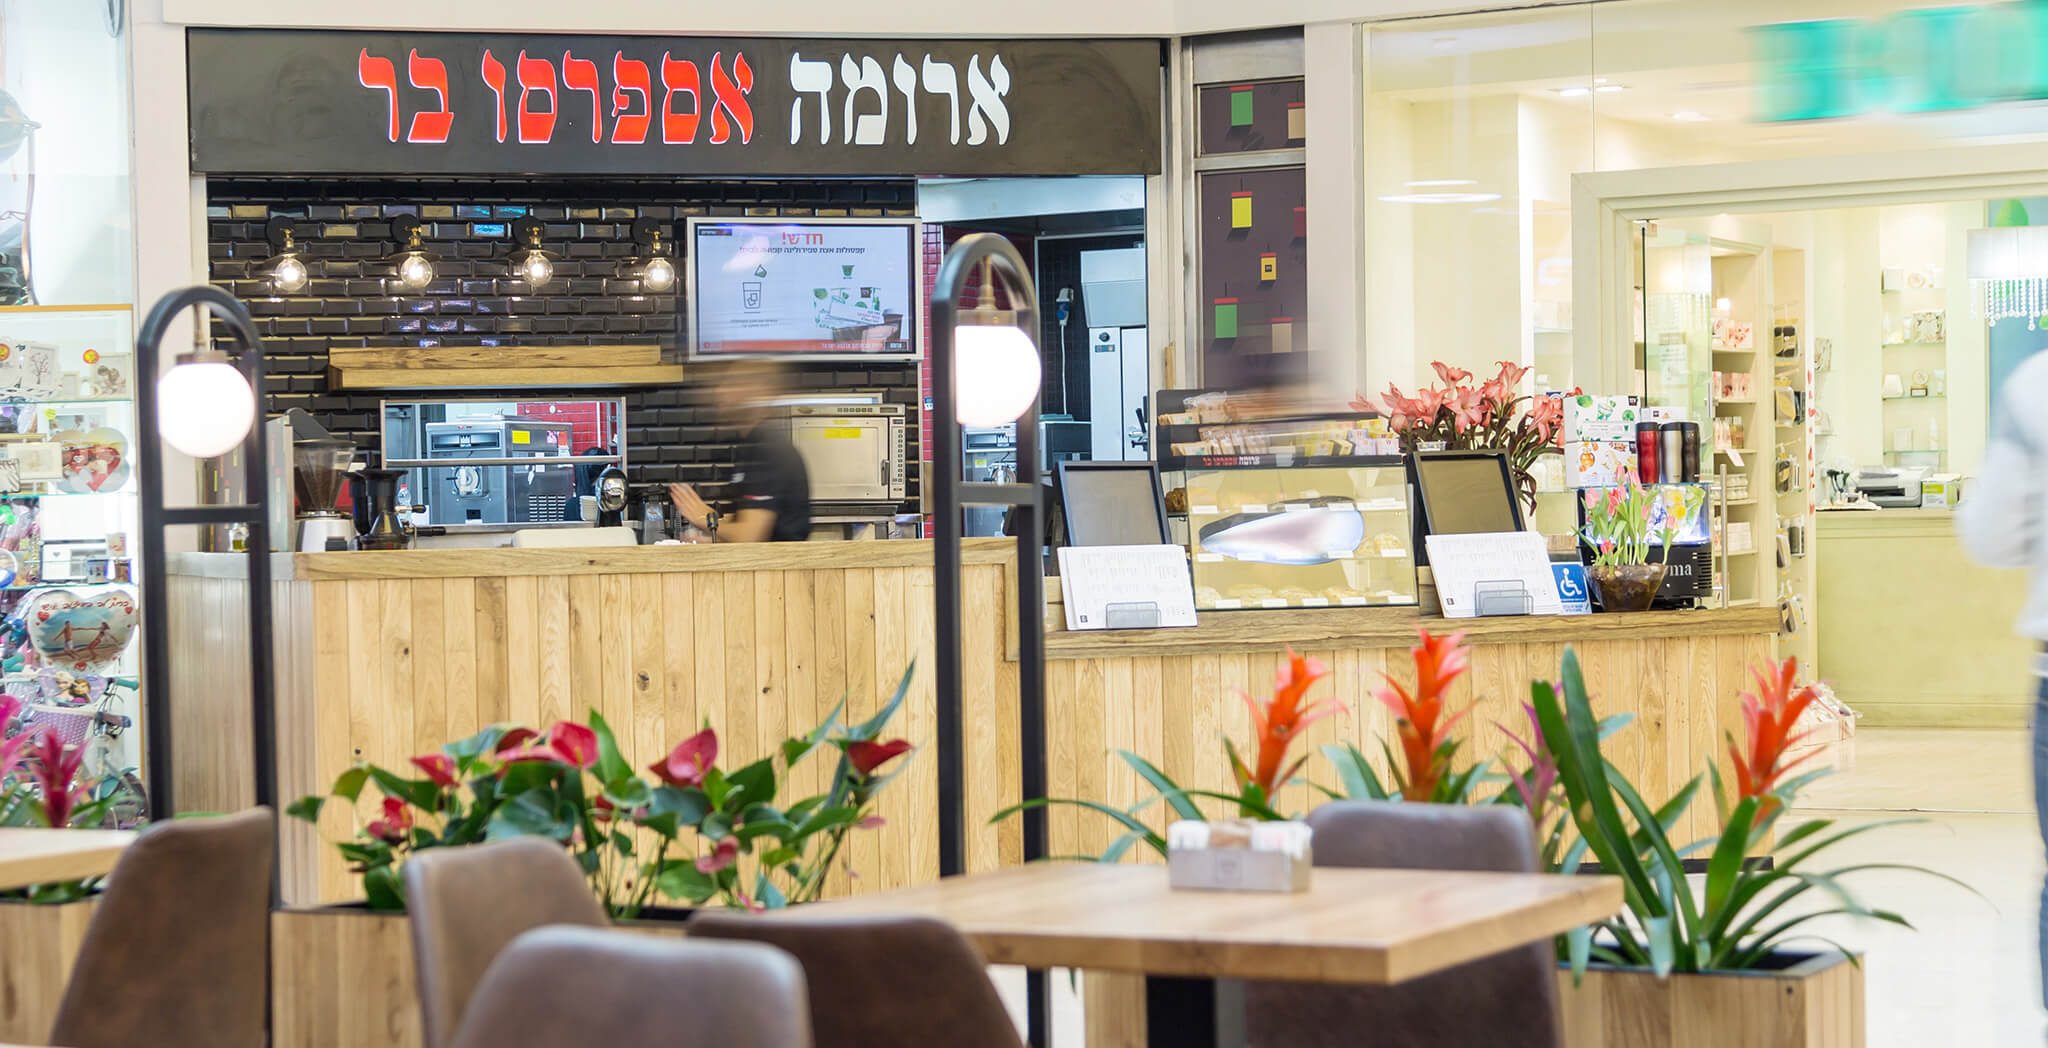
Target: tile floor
(1969,977)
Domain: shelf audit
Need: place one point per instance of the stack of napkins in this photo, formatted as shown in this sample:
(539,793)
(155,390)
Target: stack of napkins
(1239,855)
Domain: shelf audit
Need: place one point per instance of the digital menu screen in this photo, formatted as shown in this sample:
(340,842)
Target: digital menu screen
(803,289)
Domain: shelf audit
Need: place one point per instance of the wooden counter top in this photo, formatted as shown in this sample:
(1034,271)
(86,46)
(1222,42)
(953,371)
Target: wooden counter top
(619,560)
(1252,631)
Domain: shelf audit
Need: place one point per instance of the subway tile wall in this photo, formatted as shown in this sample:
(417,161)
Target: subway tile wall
(344,231)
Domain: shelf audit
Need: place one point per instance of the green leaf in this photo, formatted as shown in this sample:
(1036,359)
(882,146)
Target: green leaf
(664,824)
(1570,729)
(628,793)
(1663,952)
(531,814)
(1361,783)
(683,880)
(468,750)
(1579,948)
(716,826)
(825,819)
(688,804)
(611,765)
(349,785)
(1175,797)
(372,854)
(753,784)
(873,726)
(779,856)
(417,792)
(1669,867)
(1726,862)
(306,808)
(716,788)
(1129,821)
(767,894)
(802,808)
(521,776)
(1115,852)
(383,890)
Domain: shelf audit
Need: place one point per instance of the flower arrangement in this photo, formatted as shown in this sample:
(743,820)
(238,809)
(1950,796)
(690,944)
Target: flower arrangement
(1624,522)
(1492,415)
(1737,920)
(697,833)
(43,784)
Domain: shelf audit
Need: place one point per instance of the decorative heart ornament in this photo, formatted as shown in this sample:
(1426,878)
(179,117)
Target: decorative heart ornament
(81,632)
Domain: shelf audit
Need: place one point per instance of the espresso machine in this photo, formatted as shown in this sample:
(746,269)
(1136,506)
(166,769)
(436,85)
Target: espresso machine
(319,468)
(374,495)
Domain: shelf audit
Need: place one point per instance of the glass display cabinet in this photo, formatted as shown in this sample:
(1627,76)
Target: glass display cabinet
(1304,536)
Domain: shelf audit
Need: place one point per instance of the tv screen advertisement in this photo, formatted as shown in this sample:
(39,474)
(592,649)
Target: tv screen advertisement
(817,289)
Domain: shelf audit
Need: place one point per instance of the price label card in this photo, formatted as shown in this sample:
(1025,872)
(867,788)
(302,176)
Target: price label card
(1208,558)
(1228,604)
(1315,602)
(1206,510)
(1355,602)
(1255,508)
(1273,602)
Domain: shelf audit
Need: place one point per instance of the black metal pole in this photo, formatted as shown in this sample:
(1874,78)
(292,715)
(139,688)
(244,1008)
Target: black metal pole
(1004,263)
(157,518)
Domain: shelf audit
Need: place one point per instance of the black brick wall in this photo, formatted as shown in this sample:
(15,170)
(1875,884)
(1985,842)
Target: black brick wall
(344,231)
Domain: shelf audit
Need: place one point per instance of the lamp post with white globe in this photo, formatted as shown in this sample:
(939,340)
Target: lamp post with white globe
(985,371)
(205,407)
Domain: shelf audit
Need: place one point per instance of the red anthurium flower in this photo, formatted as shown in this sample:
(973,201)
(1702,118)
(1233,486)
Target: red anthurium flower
(514,738)
(54,767)
(602,809)
(573,743)
(396,823)
(867,756)
(1418,717)
(748,902)
(686,764)
(725,854)
(439,768)
(1769,715)
(871,822)
(1281,720)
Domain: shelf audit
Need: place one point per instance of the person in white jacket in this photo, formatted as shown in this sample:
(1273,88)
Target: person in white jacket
(2001,523)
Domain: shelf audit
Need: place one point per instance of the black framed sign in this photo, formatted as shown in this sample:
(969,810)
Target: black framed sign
(404,103)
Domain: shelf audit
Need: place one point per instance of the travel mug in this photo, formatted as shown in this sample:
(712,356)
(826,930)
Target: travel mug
(1647,446)
(1671,457)
(1689,449)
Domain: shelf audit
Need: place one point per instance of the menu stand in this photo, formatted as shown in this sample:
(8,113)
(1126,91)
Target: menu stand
(1502,597)
(1131,615)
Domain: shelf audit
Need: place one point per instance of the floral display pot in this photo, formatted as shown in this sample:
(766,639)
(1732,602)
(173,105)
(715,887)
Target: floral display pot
(1626,587)
(1799,1001)
(343,975)
(38,945)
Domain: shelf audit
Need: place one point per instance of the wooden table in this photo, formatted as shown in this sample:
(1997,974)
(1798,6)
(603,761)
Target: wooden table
(29,856)
(1375,927)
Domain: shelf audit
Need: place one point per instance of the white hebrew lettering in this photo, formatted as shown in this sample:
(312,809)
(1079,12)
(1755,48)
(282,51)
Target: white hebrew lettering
(987,100)
(810,78)
(906,82)
(872,128)
(941,79)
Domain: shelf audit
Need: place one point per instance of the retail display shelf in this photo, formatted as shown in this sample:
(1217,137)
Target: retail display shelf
(1916,342)
(1923,396)
(1718,401)
(1187,462)
(1918,451)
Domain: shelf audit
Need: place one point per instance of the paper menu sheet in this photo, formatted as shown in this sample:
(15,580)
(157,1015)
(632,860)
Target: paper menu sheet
(1103,583)
(1462,562)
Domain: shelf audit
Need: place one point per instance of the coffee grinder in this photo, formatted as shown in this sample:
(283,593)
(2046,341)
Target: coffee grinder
(318,468)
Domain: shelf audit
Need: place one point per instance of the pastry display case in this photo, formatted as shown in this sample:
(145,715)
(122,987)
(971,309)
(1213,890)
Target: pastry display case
(1303,536)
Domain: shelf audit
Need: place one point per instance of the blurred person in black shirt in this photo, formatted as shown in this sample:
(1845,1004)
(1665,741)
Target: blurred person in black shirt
(771,491)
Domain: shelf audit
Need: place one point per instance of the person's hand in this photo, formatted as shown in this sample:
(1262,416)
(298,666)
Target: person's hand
(689,505)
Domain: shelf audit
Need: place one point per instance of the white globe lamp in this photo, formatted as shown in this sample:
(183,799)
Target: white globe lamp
(996,372)
(205,405)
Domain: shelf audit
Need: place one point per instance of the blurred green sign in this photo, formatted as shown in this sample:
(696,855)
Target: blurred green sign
(1919,61)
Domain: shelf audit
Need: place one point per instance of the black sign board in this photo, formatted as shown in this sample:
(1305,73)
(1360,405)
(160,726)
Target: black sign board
(319,102)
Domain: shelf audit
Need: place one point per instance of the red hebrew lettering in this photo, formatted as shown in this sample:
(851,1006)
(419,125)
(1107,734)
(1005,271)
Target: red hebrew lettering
(631,74)
(730,93)
(429,74)
(379,74)
(536,74)
(679,78)
(580,74)
(494,77)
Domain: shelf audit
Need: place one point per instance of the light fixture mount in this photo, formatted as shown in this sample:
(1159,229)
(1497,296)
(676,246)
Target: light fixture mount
(530,263)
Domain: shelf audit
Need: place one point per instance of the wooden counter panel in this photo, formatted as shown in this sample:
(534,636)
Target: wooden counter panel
(1256,631)
(385,669)
(507,562)
(1176,709)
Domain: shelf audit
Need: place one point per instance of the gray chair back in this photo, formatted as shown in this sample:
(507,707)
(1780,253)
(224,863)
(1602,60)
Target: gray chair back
(466,904)
(881,982)
(1509,998)
(177,954)
(566,987)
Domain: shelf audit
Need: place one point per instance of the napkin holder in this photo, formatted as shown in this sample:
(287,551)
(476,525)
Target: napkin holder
(1195,863)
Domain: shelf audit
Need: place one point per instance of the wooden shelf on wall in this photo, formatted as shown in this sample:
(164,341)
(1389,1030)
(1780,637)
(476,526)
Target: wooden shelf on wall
(497,367)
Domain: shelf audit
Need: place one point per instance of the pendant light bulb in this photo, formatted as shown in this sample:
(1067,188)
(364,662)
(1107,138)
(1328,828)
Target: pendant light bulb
(415,272)
(536,269)
(659,274)
(288,274)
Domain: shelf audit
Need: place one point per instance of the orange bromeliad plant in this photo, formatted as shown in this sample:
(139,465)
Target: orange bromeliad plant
(1277,724)
(1770,714)
(1423,771)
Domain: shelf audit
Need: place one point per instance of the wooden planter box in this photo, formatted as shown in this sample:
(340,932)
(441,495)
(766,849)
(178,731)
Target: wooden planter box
(37,947)
(343,975)
(1816,1001)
